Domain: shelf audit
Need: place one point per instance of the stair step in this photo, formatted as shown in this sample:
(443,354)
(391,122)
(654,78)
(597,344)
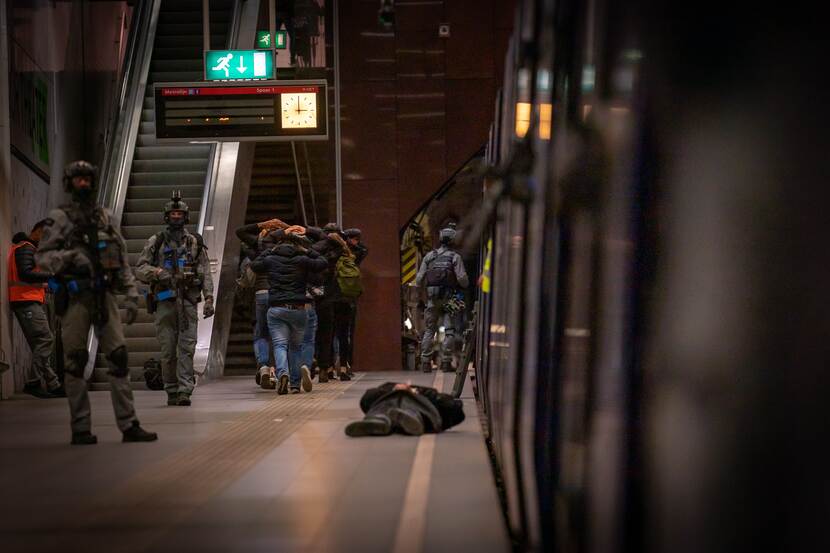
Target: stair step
(177,164)
(176,41)
(156,204)
(149,191)
(173,151)
(176,76)
(150,218)
(172,178)
(143,232)
(177,64)
(140,330)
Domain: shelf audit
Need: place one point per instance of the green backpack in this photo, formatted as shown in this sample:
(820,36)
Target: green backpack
(348,277)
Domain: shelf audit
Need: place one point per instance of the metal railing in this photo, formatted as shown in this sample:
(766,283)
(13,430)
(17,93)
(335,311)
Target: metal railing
(124,123)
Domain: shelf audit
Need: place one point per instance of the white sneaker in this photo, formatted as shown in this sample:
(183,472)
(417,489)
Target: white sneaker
(306,376)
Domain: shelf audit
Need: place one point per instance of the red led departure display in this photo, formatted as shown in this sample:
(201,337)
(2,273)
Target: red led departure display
(266,111)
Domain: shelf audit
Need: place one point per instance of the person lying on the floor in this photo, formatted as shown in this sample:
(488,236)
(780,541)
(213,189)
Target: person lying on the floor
(407,409)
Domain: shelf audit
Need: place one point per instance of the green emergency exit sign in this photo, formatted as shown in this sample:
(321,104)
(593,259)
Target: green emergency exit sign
(263,40)
(225,65)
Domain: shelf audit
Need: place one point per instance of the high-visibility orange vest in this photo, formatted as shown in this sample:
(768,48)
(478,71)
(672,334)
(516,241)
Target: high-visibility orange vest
(23,291)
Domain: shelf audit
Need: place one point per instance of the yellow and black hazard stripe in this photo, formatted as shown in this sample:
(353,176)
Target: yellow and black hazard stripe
(409,264)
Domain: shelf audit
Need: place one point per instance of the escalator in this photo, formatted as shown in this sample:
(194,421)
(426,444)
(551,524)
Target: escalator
(273,194)
(159,169)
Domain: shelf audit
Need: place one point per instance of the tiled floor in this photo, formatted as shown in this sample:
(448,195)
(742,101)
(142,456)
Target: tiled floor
(244,470)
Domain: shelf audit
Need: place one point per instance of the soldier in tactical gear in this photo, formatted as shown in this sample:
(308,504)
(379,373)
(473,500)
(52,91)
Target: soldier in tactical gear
(89,259)
(175,264)
(442,272)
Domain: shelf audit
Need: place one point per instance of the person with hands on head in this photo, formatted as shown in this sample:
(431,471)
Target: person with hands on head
(289,267)
(260,237)
(88,257)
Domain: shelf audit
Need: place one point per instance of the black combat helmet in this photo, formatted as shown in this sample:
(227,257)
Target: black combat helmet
(80,168)
(176,204)
(447,235)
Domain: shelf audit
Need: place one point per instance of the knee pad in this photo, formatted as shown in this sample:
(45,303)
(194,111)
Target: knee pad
(118,358)
(77,362)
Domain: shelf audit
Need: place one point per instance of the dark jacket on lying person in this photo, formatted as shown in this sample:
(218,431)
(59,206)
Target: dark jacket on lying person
(289,269)
(450,410)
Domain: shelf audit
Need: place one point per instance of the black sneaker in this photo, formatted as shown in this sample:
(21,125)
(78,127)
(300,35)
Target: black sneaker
(323,376)
(344,376)
(407,421)
(283,387)
(137,434)
(60,391)
(306,378)
(183,400)
(84,438)
(375,425)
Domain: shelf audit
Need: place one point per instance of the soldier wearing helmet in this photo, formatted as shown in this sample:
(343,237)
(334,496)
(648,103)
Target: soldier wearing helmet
(442,272)
(88,257)
(174,262)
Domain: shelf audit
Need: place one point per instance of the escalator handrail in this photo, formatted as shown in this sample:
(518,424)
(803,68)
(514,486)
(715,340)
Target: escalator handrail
(124,124)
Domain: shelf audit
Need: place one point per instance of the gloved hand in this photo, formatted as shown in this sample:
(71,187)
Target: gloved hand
(295,229)
(164,277)
(131,305)
(207,310)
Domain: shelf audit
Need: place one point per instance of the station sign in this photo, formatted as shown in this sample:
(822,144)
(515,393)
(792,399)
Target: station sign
(263,40)
(229,65)
(267,111)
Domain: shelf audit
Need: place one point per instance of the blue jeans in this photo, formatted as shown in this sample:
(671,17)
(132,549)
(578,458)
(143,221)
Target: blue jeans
(308,340)
(287,327)
(262,336)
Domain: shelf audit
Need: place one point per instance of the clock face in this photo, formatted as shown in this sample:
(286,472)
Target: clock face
(299,110)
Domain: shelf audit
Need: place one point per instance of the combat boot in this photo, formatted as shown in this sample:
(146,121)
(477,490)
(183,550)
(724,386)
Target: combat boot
(183,400)
(426,365)
(84,438)
(172,399)
(137,434)
(323,376)
(446,366)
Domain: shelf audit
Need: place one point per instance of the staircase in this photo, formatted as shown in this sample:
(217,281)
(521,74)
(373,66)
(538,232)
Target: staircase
(157,169)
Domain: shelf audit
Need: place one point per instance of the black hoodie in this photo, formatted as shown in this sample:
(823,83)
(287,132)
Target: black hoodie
(289,270)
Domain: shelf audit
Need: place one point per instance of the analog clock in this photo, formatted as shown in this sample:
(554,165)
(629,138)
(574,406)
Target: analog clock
(299,110)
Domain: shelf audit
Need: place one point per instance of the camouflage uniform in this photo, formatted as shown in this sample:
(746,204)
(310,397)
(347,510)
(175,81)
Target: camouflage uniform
(438,312)
(89,300)
(175,261)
